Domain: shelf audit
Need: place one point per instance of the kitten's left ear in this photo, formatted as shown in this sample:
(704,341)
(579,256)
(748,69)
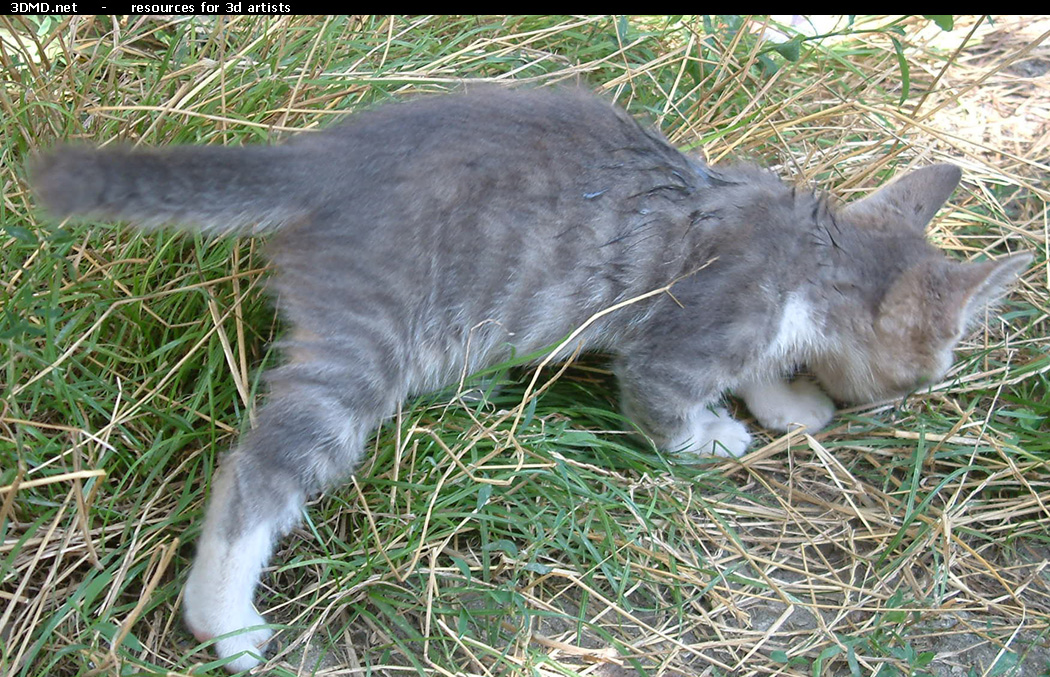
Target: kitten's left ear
(982,284)
(909,201)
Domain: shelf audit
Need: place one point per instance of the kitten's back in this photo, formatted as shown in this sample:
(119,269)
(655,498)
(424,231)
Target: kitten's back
(512,216)
(424,152)
(523,211)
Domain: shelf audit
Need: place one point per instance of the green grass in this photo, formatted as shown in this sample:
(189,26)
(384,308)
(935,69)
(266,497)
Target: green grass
(561,545)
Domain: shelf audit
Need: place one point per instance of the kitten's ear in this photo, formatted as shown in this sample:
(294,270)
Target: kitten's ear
(909,201)
(936,300)
(982,284)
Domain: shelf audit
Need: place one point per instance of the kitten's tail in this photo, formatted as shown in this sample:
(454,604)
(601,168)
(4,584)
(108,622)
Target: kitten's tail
(216,189)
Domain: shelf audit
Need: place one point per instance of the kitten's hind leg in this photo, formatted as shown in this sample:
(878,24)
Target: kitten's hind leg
(235,544)
(301,443)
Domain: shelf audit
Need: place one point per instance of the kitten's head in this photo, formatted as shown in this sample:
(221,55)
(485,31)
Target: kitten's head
(904,339)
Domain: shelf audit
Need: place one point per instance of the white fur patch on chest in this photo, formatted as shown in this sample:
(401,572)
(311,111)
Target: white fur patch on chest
(797,333)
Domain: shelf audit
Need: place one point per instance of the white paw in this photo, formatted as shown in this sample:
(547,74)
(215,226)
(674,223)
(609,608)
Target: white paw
(217,599)
(208,617)
(249,647)
(784,406)
(712,432)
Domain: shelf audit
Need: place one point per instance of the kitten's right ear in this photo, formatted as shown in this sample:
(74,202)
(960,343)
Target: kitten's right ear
(985,283)
(937,300)
(909,201)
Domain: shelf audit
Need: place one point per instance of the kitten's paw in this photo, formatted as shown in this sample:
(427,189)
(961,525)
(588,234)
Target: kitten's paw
(713,432)
(210,616)
(783,406)
(249,646)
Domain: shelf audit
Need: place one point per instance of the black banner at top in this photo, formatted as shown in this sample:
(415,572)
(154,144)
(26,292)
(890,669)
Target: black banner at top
(159,7)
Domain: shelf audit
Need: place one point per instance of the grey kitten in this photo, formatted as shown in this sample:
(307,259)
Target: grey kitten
(435,237)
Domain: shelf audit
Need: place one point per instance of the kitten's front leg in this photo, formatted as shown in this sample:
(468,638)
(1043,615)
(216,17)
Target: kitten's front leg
(676,409)
(711,430)
(782,405)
